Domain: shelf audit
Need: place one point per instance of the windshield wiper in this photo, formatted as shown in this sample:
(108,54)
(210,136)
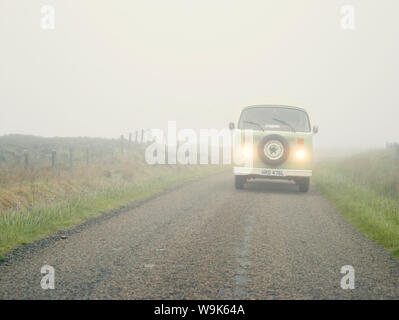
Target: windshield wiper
(285,123)
(256,124)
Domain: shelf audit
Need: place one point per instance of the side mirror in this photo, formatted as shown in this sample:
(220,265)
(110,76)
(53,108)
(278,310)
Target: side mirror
(315,129)
(231,126)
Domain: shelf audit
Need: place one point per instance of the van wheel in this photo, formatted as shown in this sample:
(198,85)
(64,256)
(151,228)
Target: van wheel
(239,181)
(303,184)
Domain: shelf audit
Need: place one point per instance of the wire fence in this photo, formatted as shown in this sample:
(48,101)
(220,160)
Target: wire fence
(29,152)
(394,147)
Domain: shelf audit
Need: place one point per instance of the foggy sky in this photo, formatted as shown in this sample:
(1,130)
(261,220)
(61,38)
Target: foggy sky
(110,67)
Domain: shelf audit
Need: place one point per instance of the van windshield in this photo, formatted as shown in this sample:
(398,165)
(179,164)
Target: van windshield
(274,118)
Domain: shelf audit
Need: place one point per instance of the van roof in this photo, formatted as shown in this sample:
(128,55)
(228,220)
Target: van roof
(273,106)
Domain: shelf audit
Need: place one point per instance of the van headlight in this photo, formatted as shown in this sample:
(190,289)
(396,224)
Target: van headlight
(247,152)
(300,154)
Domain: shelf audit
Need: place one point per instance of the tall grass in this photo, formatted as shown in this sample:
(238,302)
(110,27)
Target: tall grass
(21,226)
(364,188)
(37,201)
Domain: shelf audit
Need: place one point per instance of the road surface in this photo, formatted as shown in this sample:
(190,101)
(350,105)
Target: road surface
(206,240)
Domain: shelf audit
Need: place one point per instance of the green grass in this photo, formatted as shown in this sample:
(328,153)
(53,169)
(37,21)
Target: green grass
(23,226)
(371,208)
(39,200)
(2,259)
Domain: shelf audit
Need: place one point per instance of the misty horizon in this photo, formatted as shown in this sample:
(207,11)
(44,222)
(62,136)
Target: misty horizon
(108,69)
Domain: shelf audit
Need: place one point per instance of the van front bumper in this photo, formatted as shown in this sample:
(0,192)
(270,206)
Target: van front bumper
(270,172)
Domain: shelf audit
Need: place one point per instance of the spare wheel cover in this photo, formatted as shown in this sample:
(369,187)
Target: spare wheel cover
(273,149)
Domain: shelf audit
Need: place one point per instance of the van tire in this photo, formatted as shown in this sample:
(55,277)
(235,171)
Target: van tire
(261,152)
(303,184)
(239,181)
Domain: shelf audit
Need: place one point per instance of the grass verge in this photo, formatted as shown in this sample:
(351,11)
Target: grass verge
(374,213)
(22,226)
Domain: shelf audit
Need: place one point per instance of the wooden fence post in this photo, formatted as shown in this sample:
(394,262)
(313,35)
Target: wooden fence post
(26,160)
(122,142)
(87,157)
(70,158)
(53,155)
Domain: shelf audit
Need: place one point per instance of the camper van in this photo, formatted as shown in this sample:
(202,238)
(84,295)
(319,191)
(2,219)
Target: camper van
(281,145)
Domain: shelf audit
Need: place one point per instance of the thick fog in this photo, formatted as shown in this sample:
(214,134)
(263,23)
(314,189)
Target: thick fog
(110,67)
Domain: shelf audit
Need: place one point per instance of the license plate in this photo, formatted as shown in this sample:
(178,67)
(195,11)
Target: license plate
(273,173)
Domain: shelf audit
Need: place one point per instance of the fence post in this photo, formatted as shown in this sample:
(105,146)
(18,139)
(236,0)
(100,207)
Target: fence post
(87,157)
(70,158)
(26,160)
(142,135)
(53,155)
(122,142)
(130,138)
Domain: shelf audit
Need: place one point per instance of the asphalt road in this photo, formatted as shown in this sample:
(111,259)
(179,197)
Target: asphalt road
(206,240)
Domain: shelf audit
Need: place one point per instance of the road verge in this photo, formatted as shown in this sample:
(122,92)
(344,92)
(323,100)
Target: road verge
(19,227)
(370,207)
